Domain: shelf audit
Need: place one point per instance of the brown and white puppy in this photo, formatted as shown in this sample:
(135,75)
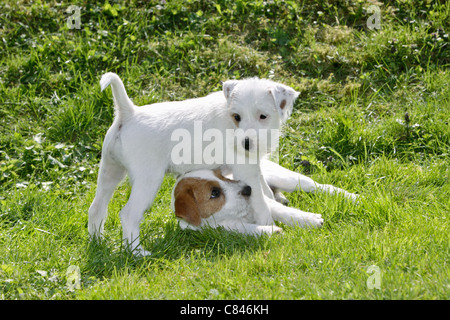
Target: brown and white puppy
(206,198)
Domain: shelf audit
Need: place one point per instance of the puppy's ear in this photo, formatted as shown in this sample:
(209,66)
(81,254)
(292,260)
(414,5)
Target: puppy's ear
(228,87)
(186,207)
(284,98)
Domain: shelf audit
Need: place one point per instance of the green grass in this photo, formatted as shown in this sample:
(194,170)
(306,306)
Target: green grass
(372,118)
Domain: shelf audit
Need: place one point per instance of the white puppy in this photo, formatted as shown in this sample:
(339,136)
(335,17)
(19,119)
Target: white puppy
(206,198)
(141,142)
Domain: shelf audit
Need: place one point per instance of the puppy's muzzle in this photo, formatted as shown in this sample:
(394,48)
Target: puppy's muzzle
(246,191)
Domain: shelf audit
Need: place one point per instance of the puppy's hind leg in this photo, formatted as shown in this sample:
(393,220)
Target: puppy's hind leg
(280,178)
(110,174)
(143,191)
(292,216)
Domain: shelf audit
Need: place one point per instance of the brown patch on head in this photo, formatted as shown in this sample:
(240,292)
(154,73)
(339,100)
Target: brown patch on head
(283,104)
(185,205)
(197,198)
(218,174)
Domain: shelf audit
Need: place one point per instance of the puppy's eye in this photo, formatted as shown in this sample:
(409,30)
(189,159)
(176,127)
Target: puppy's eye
(262,117)
(237,117)
(215,193)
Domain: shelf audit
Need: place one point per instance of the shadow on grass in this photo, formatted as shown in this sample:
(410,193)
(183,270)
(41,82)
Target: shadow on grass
(107,255)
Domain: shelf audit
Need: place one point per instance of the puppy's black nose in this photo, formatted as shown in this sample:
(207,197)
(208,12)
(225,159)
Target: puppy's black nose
(246,191)
(247,143)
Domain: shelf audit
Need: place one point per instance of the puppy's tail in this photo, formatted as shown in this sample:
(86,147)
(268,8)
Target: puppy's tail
(124,106)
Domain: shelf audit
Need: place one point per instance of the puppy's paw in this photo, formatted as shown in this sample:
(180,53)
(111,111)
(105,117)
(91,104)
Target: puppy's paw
(139,252)
(316,220)
(269,229)
(279,197)
(276,229)
(307,219)
(353,197)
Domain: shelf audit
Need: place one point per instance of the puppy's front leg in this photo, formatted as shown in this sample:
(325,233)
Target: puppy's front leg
(292,216)
(249,228)
(251,175)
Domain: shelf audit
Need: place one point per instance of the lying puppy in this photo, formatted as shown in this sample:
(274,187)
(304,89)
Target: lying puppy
(207,198)
(143,142)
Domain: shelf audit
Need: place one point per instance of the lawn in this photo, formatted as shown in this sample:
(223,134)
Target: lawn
(372,118)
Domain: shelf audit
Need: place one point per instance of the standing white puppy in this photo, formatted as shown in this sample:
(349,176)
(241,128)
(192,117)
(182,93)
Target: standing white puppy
(141,141)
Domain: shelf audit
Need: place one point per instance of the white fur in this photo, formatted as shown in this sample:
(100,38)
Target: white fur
(139,143)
